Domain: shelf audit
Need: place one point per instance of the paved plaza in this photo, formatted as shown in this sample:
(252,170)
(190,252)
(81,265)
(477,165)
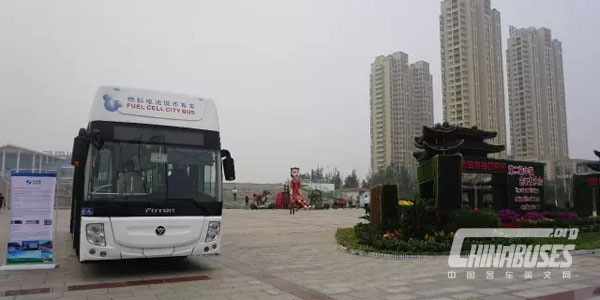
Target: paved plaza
(269,254)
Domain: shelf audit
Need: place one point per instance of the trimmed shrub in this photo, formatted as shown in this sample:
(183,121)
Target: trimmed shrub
(366,217)
(271,206)
(412,246)
(366,234)
(587,224)
(253,206)
(484,218)
(389,204)
(418,219)
(326,205)
(586,221)
(374,207)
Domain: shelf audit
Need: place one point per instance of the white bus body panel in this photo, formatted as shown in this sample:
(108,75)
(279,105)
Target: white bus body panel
(128,105)
(136,237)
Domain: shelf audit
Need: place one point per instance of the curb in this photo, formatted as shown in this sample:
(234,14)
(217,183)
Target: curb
(413,256)
(387,255)
(587,251)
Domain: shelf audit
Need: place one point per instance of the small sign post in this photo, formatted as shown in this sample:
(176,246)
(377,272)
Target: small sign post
(31,226)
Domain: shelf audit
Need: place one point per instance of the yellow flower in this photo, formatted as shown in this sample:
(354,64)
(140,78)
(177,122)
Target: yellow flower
(405,203)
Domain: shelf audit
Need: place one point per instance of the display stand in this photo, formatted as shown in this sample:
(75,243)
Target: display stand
(30,244)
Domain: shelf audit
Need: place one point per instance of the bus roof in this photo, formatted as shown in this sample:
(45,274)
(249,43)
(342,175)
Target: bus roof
(129,105)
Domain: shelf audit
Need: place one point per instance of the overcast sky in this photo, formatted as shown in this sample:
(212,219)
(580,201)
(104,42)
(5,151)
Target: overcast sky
(290,78)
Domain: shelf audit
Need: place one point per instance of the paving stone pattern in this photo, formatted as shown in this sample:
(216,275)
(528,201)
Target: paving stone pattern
(269,254)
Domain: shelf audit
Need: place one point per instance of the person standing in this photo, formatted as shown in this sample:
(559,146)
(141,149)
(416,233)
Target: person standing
(1,201)
(247,200)
(234,194)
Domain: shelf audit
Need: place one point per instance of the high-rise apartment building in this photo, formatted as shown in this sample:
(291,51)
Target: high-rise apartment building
(536,95)
(472,75)
(422,96)
(401,103)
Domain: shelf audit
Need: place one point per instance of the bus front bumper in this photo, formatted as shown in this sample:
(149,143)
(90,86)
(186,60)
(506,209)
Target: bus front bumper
(131,237)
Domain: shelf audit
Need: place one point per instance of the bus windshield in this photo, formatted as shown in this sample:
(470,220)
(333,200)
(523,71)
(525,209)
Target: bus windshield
(123,171)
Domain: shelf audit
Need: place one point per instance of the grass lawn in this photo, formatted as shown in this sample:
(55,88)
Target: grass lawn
(587,240)
(584,241)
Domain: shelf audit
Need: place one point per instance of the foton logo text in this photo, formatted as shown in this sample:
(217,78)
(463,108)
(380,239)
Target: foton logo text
(150,210)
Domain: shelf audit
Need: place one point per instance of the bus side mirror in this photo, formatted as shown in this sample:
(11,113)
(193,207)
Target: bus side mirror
(81,144)
(228,165)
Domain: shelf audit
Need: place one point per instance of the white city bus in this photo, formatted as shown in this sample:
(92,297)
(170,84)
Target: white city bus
(148,177)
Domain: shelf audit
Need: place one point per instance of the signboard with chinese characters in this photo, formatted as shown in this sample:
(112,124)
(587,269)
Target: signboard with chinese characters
(184,109)
(524,180)
(30,242)
(127,105)
(483,166)
(161,108)
(525,185)
(593,182)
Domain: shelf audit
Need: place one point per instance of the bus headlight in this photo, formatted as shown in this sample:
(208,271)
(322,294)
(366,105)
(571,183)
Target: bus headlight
(94,233)
(214,229)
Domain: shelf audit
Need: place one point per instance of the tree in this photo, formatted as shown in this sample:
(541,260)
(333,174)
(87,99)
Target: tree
(392,174)
(336,178)
(351,180)
(317,175)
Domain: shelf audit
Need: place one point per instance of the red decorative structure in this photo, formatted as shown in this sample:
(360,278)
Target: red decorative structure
(282,200)
(279,201)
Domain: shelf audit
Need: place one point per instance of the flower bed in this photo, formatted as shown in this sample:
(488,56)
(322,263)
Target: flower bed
(548,219)
(420,230)
(349,238)
(586,243)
